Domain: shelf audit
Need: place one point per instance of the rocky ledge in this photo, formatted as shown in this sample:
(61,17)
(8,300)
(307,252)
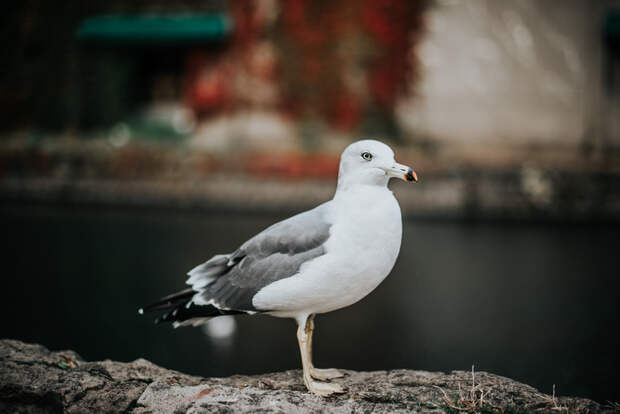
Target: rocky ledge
(36,380)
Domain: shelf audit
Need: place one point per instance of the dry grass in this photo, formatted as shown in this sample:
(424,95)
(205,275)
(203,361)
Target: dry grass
(470,401)
(475,399)
(554,401)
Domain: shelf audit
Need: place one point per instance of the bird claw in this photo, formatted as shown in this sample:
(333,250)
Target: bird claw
(324,389)
(325,374)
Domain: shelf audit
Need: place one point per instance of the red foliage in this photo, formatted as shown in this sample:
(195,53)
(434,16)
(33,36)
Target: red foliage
(337,60)
(393,24)
(293,165)
(206,86)
(327,42)
(346,112)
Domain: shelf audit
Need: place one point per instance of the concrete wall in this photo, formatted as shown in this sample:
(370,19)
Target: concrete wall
(511,73)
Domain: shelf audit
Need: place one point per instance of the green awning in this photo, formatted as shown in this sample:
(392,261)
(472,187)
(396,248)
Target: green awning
(153,29)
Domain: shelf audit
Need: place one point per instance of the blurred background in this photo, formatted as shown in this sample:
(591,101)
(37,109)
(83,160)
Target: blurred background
(139,138)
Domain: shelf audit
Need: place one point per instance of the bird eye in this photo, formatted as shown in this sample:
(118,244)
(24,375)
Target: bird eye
(367,156)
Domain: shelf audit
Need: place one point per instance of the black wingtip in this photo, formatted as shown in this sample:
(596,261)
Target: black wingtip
(168,302)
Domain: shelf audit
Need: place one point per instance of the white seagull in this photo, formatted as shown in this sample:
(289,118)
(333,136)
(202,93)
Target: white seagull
(315,262)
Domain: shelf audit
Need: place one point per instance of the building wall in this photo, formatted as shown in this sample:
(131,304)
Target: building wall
(510,73)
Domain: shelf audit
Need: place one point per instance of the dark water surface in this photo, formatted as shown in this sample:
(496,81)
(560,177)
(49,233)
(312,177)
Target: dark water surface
(537,303)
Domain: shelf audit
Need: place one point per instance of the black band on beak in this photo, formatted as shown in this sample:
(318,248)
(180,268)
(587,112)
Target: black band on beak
(411,176)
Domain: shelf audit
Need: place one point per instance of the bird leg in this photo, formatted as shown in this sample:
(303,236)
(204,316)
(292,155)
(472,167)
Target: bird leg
(322,389)
(324,374)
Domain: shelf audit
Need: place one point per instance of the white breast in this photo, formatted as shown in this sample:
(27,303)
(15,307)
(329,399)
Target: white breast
(362,248)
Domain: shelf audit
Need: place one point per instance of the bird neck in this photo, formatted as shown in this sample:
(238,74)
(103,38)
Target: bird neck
(362,180)
(347,189)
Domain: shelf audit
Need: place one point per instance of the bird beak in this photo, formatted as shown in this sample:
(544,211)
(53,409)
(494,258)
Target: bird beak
(402,171)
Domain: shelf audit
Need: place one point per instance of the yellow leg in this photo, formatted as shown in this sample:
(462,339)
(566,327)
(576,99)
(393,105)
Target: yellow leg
(317,373)
(321,389)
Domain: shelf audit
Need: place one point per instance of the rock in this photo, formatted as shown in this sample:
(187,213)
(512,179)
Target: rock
(36,380)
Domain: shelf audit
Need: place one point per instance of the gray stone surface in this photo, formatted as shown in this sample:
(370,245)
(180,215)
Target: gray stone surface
(36,380)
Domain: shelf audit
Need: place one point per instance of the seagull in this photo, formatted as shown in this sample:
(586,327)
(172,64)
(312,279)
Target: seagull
(315,262)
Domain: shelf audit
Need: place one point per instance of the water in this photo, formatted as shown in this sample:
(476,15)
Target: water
(537,303)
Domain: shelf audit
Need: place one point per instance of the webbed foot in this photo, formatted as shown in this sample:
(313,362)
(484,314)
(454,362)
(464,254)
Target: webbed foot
(324,389)
(325,374)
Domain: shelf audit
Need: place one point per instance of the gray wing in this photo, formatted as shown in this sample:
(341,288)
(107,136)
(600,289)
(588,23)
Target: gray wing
(229,282)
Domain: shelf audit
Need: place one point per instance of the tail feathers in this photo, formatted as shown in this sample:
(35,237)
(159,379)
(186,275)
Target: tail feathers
(181,312)
(191,322)
(169,301)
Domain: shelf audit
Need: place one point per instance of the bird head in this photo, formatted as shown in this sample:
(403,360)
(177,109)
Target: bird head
(371,162)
